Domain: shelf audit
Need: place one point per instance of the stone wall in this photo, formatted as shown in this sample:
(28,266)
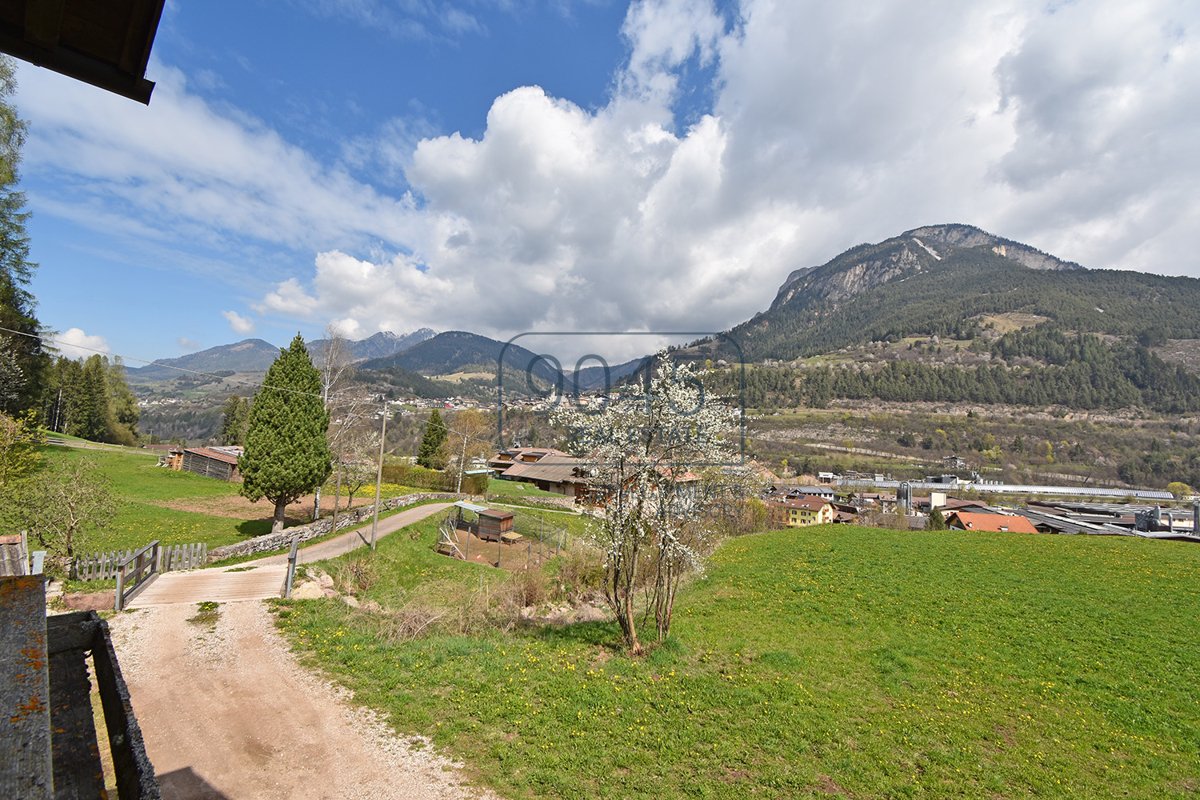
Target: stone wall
(281,539)
(539,501)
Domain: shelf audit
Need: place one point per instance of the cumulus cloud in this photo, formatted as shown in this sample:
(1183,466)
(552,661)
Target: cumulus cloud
(1069,126)
(75,343)
(289,299)
(240,325)
(187,344)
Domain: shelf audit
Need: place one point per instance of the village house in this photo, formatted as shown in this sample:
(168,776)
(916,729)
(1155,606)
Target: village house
(546,468)
(996,523)
(799,512)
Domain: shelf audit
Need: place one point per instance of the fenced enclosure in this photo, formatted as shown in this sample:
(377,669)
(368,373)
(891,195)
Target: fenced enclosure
(536,540)
(104,566)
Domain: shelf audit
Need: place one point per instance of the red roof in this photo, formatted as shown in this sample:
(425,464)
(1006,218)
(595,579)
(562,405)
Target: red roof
(809,502)
(977,521)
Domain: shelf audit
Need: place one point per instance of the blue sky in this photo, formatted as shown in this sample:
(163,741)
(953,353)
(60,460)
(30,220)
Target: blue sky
(514,165)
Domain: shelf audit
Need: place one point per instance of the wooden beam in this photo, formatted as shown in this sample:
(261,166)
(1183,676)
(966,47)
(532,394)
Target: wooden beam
(43,22)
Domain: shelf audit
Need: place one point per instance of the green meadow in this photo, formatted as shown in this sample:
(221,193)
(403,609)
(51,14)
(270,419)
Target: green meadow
(141,489)
(832,661)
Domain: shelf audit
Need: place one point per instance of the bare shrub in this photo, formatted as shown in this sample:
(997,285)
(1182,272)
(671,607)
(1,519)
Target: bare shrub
(356,576)
(531,587)
(410,622)
(579,574)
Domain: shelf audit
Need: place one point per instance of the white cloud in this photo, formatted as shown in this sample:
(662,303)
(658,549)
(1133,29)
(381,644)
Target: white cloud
(1071,127)
(240,325)
(74,343)
(288,299)
(187,344)
(195,171)
(830,126)
(410,19)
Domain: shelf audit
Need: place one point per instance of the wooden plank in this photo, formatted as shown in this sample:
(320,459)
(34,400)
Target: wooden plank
(74,631)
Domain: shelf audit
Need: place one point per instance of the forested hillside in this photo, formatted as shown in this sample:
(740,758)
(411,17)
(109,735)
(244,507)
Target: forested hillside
(91,399)
(1043,366)
(905,287)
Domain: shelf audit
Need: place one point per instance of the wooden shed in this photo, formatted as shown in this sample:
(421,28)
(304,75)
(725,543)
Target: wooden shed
(493,524)
(488,523)
(212,462)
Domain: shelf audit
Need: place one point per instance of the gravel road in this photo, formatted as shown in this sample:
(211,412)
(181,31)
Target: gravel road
(227,712)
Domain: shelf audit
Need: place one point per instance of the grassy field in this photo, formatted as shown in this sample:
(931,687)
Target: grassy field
(141,486)
(834,661)
(517,489)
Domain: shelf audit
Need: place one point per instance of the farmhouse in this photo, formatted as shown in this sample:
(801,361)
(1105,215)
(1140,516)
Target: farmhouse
(549,469)
(799,512)
(212,462)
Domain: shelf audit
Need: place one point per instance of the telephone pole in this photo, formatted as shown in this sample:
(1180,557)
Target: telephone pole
(379,474)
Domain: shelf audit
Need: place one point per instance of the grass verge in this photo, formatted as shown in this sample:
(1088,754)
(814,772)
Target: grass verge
(830,661)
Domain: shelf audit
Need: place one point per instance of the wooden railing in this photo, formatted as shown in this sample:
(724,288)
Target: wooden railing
(135,573)
(172,557)
(293,557)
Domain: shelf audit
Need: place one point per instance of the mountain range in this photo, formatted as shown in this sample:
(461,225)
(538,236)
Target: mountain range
(936,279)
(256,355)
(954,282)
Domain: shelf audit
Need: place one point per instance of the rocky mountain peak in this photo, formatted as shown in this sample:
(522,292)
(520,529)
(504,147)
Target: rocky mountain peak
(866,266)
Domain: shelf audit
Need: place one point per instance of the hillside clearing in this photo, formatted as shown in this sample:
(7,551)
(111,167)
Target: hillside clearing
(837,660)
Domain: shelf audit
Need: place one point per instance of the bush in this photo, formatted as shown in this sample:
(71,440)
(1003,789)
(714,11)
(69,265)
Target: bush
(433,479)
(578,573)
(475,484)
(357,576)
(413,475)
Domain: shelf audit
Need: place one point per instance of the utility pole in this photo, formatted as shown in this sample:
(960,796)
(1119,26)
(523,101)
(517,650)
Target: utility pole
(379,474)
(462,464)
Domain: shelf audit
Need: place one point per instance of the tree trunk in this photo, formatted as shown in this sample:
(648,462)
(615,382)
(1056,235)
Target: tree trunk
(317,504)
(277,522)
(635,647)
(337,495)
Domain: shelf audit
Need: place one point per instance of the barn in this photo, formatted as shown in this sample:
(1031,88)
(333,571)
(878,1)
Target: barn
(213,462)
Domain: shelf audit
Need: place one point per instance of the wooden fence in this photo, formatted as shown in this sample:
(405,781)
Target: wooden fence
(103,566)
(136,573)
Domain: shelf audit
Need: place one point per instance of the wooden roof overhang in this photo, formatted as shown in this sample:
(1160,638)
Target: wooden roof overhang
(102,42)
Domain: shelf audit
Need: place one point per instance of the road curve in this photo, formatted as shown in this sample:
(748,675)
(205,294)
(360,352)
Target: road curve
(264,577)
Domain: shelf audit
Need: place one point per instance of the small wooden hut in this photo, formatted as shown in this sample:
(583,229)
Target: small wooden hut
(494,525)
(488,524)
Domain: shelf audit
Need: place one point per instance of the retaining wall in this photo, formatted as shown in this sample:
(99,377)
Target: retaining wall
(281,539)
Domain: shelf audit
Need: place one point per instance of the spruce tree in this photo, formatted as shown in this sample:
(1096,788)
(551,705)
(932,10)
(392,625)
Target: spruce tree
(287,454)
(235,417)
(429,455)
(24,361)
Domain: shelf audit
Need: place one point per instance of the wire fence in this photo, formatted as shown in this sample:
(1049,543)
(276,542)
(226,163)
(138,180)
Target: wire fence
(537,541)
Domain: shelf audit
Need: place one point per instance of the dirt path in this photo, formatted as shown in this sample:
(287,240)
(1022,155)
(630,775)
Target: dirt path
(346,542)
(228,713)
(263,578)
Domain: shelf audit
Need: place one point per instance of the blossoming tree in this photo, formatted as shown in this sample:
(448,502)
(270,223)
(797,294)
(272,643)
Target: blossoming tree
(661,462)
